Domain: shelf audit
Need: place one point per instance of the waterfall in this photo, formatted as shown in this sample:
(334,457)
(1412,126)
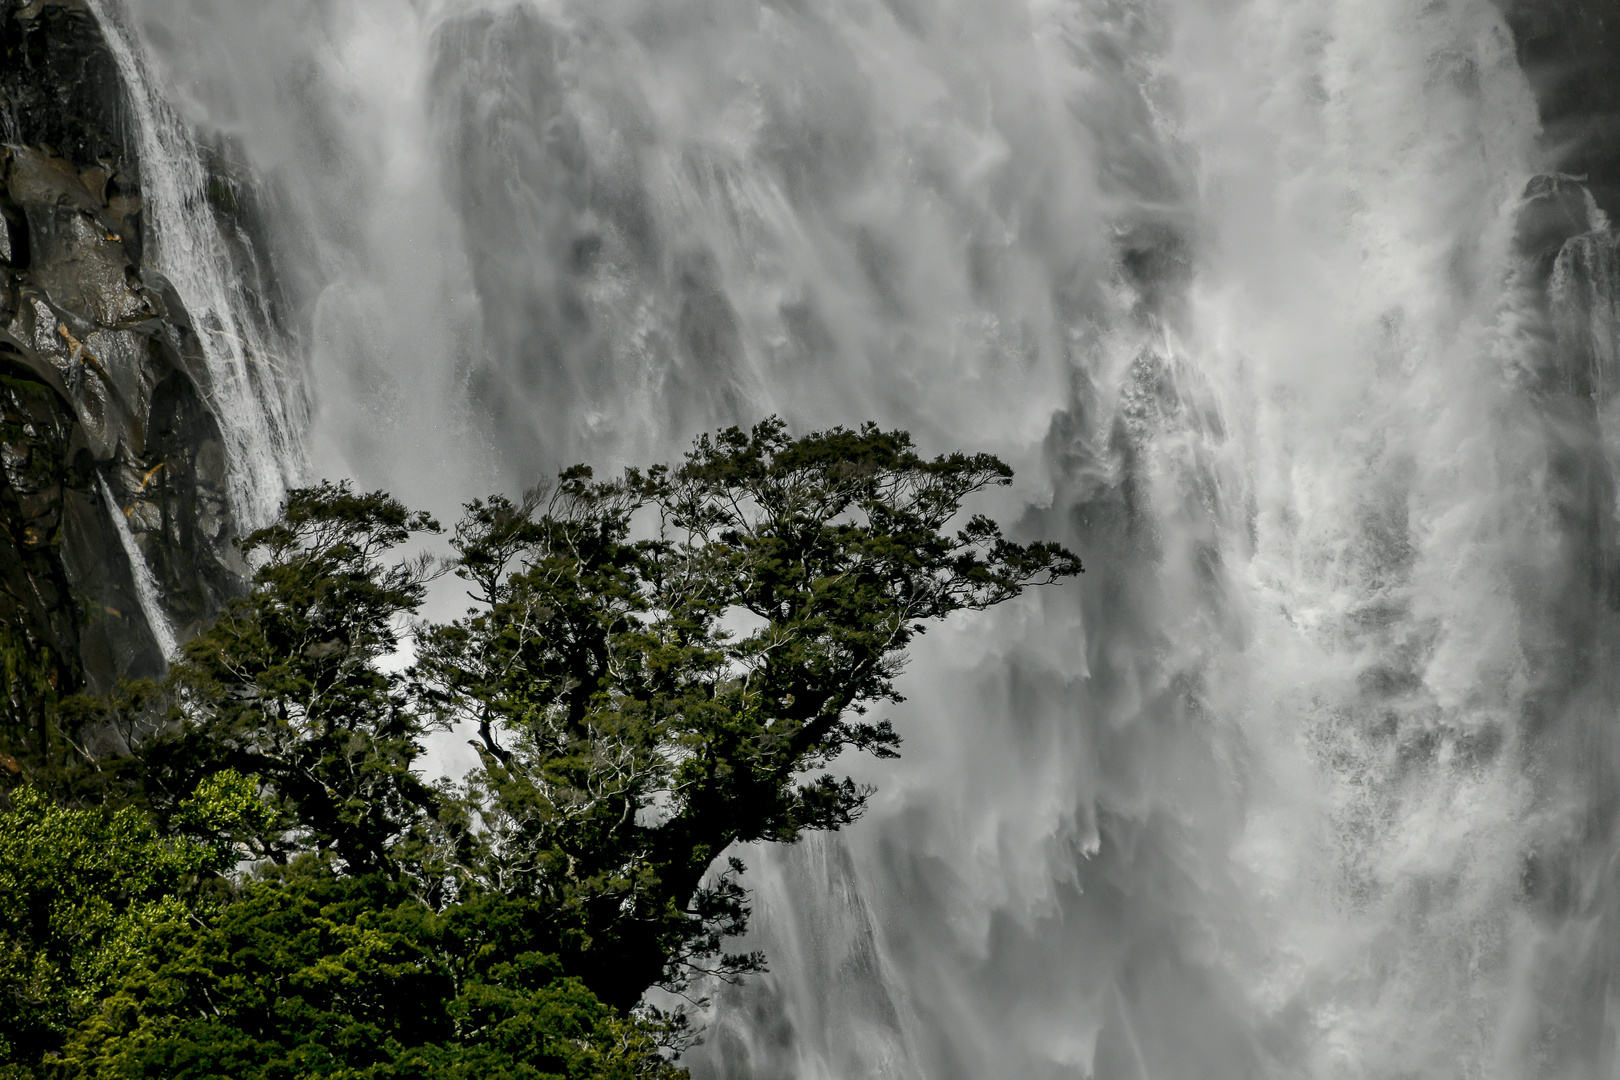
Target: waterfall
(1314,774)
(253,389)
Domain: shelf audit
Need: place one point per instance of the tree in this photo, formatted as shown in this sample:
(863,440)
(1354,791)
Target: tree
(84,891)
(655,667)
(665,664)
(285,686)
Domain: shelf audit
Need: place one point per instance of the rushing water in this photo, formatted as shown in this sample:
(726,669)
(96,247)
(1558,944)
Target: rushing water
(1314,773)
(260,406)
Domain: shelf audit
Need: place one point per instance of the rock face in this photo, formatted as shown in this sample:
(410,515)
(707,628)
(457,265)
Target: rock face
(108,447)
(1570,51)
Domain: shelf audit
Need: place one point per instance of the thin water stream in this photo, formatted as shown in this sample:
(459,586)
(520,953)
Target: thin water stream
(146,590)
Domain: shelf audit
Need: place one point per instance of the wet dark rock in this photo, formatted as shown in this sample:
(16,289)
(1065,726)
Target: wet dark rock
(13,238)
(1570,51)
(1555,209)
(59,86)
(1568,323)
(102,381)
(1584,301)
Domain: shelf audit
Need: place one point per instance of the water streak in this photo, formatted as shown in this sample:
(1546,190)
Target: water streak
(146,590)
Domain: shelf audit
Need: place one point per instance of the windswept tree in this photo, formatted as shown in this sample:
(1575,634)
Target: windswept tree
(663,664)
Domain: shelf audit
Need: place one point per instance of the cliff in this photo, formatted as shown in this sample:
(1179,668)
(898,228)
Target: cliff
(110,457)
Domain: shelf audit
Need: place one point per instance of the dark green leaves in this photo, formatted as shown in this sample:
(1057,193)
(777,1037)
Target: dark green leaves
(83,893)
(661,665)
(323,977)
(285,686)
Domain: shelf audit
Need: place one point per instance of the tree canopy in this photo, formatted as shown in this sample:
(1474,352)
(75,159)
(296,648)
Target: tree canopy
(653,668)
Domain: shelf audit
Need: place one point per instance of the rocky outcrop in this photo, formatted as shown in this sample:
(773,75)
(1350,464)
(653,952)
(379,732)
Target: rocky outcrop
(108,447)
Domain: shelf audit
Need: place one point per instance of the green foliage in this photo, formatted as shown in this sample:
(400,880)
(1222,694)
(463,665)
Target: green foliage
(285,686)
(655,667)
(662,665)
(32,674)
(326,977)
(83,891)
(79,750)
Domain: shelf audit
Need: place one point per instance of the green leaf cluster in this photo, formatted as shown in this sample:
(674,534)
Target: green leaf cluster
(84,893)
(321,976)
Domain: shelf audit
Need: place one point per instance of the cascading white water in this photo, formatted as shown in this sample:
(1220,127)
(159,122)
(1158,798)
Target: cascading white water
(260,405)
(1312,774)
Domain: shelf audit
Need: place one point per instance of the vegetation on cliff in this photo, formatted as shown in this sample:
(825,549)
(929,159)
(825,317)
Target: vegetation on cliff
(654,668)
